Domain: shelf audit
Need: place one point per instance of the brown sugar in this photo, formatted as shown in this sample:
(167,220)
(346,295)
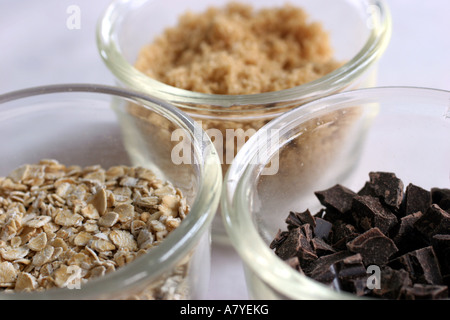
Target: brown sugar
(239,50)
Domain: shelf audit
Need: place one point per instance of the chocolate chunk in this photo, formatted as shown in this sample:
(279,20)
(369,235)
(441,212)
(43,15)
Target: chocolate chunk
(296,244)
(388,187)
(434,221)
(322,229)
(320,268)
(357,286)
(308,232)
(425,292)
(416,199)
(350,267)
(441,247)
(349,273)
(422,266)
(289,246)
(321,247)
(338,198)
(408,238)
(367,190)
(374,247)
(441,197)
(305,251)
(341,234)
(279,238)
(368,212)
(296,219)
(391,283)
(406,235)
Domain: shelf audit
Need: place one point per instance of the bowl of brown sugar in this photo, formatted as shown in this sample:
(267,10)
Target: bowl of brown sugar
(96,208)
(234,66)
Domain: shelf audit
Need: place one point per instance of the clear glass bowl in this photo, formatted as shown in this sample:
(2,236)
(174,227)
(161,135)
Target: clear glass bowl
(298,153)
(83,124)
(359,33)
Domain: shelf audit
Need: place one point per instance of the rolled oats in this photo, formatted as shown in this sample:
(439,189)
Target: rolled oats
(63,225)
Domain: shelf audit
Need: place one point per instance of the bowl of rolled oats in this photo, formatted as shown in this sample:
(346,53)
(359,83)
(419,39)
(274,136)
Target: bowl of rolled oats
(105,193)
(235,65)
(372,221)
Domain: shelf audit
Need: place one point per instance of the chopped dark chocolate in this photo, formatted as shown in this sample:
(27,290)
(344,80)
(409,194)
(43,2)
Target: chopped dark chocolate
(279,238)
(289,246)
(421,264)
(380,242)
(391,283)
(425,292)
(338,198)
(441,197)
(367,190)
(441,246)
(374,247)
(350,267)
(321,247)
(408,238)
(320,268)
(388,187)
(416,199)
(434,221)
(368,212)
(296,219)
(322,229)
(305,251)
(342,233)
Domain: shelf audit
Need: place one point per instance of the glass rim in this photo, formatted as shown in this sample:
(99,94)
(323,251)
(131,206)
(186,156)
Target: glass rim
(236,215)
(182,239)
(340,78)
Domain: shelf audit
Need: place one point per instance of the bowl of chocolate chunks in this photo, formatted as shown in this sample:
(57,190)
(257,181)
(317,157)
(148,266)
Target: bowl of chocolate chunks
(348,216)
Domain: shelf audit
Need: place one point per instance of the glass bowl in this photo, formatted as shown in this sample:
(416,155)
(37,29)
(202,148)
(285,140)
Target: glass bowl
(359,33)
(293,156)
(86,125)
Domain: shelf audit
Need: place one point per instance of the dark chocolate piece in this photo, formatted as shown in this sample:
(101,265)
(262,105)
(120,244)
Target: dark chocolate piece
(422,266)
(320,268)
(305,251)
(350,267)
(322,229)
(357,286)
(441,247)
(441,197)
(351,274)
(296,219)
(416,199)
(279,238)
(408,238)
(403,237)
(368,212)
(341,234)
(388,187)
(391,283)
(321,247)
(434,221)
(338,198)
(288,248)
(367,190)
(374,247)
(425,292)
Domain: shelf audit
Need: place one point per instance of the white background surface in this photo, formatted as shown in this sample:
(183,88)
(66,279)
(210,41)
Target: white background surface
(37,48)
